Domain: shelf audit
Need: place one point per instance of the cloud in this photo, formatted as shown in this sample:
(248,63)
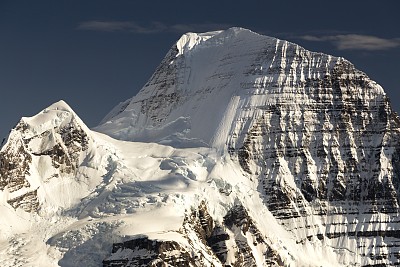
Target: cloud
(114,26)
(154,27)
(355,41)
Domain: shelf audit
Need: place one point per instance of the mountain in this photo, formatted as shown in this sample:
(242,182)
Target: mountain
(241,150)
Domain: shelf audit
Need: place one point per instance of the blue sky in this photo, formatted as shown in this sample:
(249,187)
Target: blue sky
(95,53)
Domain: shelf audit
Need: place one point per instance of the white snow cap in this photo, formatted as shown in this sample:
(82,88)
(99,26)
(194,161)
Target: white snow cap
(190,40)
(51,117)
(60,105)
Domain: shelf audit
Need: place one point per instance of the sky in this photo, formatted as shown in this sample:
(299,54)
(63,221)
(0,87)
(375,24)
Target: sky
(96,53)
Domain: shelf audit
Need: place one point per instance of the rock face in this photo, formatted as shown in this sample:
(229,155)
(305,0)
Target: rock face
(317,134)
(332,161)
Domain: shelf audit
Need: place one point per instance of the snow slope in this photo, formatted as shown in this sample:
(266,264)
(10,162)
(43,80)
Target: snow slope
(122,190)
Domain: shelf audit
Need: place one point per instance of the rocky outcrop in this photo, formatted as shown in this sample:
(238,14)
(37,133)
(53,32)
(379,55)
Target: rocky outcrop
(65,153)
(238,220)
(14,166)
(28,202)
(208,243)
(142,252)
(196,230)
(58,137)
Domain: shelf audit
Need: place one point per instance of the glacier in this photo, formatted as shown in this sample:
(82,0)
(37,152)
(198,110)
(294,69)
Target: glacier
(240,150)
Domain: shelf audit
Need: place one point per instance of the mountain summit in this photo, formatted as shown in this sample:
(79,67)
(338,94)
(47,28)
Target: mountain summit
(209,84)
(241,150)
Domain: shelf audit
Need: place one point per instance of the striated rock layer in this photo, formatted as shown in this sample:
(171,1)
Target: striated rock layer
(317,134)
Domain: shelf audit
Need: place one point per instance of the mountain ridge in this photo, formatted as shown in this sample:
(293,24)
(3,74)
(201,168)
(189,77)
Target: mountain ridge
(248,150)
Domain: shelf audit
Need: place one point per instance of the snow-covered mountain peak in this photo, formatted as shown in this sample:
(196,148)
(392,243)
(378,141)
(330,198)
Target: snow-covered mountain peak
(219,82)
(55,116)
(51,144)
(60,105)
(237,32)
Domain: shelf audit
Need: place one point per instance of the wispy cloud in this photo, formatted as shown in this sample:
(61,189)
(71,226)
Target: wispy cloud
(355,41)
(154,27)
